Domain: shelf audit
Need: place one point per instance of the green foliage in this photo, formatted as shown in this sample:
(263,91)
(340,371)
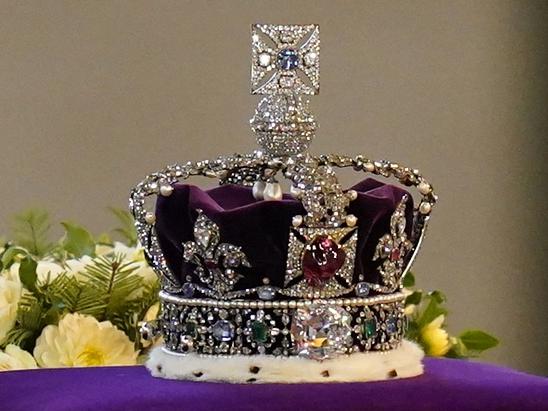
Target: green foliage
(77,241)
(127,227)
(409,280)
(108,289)
(472,343)
(430,306)
(31,230)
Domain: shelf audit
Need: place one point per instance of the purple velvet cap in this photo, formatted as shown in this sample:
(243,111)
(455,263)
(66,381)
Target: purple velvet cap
(261,228)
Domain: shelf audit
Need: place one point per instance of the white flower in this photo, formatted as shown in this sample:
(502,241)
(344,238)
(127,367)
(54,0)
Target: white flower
(14,358)
(10,294)
(133,255)
(49,270)
(81,341)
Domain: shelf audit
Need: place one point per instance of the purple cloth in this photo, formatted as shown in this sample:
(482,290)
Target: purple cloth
(447,385)
(261,228)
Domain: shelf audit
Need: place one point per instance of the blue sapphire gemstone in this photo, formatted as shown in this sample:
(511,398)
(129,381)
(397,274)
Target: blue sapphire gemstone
(392,325)
(288,59)
(188,290)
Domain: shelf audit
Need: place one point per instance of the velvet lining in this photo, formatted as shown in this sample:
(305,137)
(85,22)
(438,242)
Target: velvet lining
(261,228)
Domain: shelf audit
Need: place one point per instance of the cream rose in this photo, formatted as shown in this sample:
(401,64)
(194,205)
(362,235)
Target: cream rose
(10,294)
(82,341)
(135,255)
(14,358)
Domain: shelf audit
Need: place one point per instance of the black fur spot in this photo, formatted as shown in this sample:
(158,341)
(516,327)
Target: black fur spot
(159,368)
(198,374)
(252,380)
(254,369)
(325,373)
(393,374)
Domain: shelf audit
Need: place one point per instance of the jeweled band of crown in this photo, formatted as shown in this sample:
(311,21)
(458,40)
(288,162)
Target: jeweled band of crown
(324,306)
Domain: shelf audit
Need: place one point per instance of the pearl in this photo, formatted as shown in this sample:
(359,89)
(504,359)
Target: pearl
(258,189)
(425,208)
(150,218)
(297,220)
(272,191)
(352,194)
(166,190)
(264,59)
(351,220)
(424,188)
(369,167)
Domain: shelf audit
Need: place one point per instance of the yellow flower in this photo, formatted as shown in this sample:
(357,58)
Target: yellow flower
(435,338)
(14,358)
(82,341)
(10,294)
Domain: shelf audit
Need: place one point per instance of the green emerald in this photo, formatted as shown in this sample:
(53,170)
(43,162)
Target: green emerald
(259,331)
(190,329)
(369,327)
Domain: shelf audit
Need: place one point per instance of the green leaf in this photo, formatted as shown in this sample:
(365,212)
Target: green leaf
(478,341)
(78,241)
(414,298)
(409,280)
(438,296)
(9,256)
(27,273)
(431,312)
(457,350)
(31,230)
(127,228)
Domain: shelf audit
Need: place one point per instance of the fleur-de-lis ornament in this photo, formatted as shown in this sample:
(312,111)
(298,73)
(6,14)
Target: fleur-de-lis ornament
(392,248)
(215,262)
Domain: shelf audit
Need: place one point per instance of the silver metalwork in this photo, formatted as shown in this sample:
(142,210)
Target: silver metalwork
(216,262)
(271,73)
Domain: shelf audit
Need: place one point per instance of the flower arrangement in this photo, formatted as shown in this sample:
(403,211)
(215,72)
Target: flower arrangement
(80,301)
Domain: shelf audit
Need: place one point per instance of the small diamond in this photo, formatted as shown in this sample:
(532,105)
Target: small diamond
(264,59)
(223,330)
(286,81)
(288,59)
(266,293)
(188,290)
(310,58)
(362,289)
(320,332)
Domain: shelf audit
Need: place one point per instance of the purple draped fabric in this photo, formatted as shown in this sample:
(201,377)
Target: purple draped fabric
(261,228)
(447,385)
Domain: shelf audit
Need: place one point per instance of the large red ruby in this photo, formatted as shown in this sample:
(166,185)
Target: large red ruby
(322,258)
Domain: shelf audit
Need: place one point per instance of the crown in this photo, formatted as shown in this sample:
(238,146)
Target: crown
(262,285)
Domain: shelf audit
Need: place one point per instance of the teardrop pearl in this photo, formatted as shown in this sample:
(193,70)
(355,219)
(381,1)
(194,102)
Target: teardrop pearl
(258,189)
(272,191)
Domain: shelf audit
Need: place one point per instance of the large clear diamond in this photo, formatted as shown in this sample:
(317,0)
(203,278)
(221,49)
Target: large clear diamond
(320,331)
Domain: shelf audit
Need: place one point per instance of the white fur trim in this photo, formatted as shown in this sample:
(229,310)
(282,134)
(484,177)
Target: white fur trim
(402,362)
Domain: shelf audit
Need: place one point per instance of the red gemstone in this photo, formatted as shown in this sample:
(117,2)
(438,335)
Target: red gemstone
(395,254)
(322,258)
(211,264)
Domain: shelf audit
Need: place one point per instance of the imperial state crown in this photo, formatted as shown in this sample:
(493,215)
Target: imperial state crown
(262,285)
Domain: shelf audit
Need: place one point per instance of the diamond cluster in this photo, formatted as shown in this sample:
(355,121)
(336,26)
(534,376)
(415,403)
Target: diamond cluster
(316,331)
